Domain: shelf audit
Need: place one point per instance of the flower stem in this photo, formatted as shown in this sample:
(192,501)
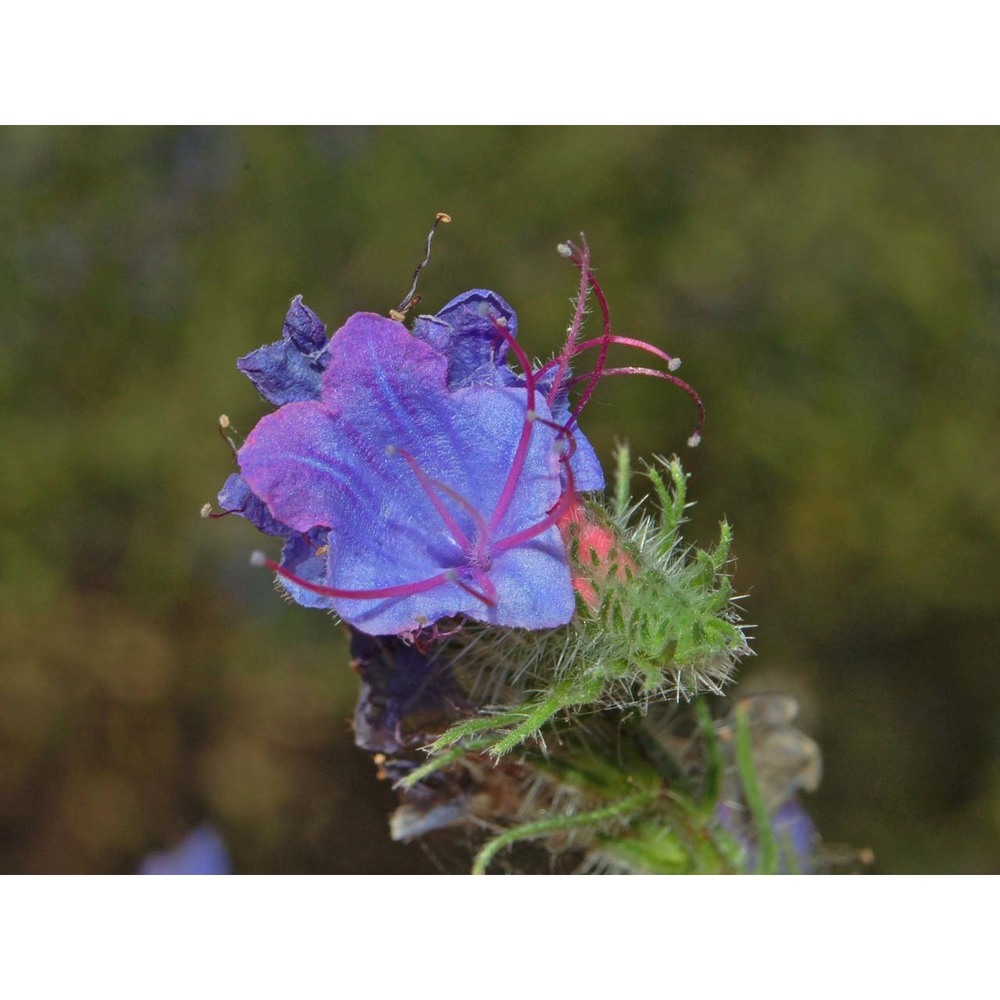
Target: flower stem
(546,827)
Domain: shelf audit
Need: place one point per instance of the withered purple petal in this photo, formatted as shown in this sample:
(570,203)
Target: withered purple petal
(236,497)
(401,688)
(290,370)
(465,331)
(305,556)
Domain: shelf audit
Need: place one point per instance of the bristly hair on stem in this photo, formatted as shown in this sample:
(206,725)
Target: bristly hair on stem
(658,622)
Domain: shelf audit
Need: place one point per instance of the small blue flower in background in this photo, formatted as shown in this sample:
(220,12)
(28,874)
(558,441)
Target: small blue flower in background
(201,852)
(794,832)
(414,477)
(796,836)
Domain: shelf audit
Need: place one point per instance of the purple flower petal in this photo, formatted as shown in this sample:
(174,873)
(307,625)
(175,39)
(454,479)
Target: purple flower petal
(445,404)
(236,497)
(338,464)
(465,332)
(305,555)
(290,370)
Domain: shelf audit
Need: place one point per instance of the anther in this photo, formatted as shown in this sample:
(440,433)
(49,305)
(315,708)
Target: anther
(257,558)
(225,425)
(206,511)
(530,415)
(694,440)
(673,364)
(564,250)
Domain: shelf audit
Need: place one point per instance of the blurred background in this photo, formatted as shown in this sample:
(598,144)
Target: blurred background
(835,295)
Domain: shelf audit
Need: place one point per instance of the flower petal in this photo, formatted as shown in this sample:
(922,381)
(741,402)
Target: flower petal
(338,463)
(290,370)
(475,349)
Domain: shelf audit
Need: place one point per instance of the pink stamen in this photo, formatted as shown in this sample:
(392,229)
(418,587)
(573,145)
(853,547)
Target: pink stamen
(402,590)
(566,501)
(604,340)
(672,362)
(429,486)
(574,330)
(521,454)
(680,383)
(488,595)
(628,342)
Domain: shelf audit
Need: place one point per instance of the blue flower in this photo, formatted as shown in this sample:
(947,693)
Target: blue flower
(414,477)
(795,835)
(201,852)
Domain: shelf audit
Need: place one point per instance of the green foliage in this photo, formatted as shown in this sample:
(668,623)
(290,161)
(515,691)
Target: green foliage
(833,292)
(611,805)
(661,625)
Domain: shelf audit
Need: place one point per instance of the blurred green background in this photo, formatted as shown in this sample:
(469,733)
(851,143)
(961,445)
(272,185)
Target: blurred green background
(835,295)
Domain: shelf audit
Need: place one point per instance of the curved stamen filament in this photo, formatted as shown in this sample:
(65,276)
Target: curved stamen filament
(206,511)
(555,515)
(488,595)
(604,340)
(521,454)
(672,362)
(570,349)
(680,383)
(400,590)
(429,486)
(562,433)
